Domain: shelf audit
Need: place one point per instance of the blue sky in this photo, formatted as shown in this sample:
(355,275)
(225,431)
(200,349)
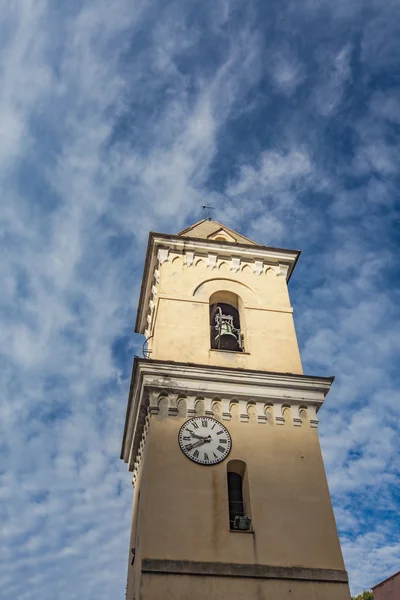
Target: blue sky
(117,118)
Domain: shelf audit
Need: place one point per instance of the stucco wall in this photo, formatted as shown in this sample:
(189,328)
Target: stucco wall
(181,327)
(179,587)
(186,505)
(389,589)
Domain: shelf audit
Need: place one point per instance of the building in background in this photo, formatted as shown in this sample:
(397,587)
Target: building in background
(230,494)
(389,589)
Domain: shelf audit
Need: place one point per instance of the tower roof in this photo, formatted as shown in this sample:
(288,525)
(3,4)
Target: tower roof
(213,230)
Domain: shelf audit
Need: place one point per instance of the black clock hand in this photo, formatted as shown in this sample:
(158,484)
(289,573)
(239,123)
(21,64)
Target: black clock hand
(197,444)
(200,437)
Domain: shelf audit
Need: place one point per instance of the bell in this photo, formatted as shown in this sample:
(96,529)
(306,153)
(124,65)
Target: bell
(225,338)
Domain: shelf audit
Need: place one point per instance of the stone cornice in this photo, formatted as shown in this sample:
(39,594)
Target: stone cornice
(152,379)
(216,569)
(177,242)
(159,246)
(173,374)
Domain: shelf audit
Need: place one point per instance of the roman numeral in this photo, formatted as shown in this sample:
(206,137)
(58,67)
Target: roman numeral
(213,426)
(221,441)
(194,424)
(204,422)
(220,432)
(215,456)
(206,456)
(187,438)
(189,430)
(195,454)
(221,449)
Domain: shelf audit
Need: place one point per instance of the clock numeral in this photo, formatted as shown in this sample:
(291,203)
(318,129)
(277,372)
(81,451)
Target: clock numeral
(187,438)
(204,422)
(213,426)
(196,454)
(188,447)
(194,424)
(220,432)
(206,456)
(221,441)
(189,430)
(221,449)
(215,456)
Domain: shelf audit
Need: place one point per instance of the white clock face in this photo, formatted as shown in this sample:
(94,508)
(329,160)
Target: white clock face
(204,440)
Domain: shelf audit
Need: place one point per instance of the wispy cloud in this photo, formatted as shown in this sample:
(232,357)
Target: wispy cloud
(335,76)
(116,119)
(287,70)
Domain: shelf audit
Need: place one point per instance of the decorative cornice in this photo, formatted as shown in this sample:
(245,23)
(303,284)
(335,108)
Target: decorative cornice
(265,391)
(216,569)
(235,263)
(212,260)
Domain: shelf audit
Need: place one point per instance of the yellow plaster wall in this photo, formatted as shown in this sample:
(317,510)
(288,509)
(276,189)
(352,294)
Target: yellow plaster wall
(134,573)
(181,317)
(186,515)
(179,587)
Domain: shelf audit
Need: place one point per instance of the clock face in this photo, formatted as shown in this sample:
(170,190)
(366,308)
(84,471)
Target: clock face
(204,440)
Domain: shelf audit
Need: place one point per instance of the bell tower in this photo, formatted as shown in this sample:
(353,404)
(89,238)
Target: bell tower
(231,500)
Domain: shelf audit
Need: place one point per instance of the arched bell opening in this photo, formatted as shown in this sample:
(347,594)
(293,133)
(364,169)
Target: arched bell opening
(225,331)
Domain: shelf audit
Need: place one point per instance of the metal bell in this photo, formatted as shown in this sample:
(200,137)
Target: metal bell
(225,338)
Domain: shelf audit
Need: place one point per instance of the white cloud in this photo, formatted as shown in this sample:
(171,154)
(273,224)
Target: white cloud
(335,76)
(276,173)
(386,105)
(113,121)
(68,297)
(372,551)
(287,71)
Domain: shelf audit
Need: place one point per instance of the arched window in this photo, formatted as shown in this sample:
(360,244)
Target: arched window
(235,492)
(225,332)
(238,496)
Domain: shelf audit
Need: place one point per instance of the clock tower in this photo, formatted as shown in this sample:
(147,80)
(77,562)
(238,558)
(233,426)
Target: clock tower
(231,500)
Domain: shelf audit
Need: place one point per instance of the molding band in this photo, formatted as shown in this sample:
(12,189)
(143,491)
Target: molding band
(216,569)
(195,300)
